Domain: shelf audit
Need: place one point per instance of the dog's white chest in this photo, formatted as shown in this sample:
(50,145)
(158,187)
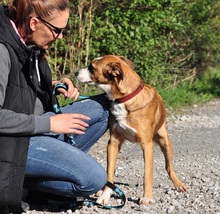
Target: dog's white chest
(120,113)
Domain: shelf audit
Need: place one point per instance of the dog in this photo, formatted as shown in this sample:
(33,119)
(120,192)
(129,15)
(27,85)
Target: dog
(137,115)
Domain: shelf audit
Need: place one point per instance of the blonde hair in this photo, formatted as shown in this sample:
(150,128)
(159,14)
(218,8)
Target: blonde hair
(20,11)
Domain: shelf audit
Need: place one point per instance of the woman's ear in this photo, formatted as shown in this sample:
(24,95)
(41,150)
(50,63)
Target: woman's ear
(33,23)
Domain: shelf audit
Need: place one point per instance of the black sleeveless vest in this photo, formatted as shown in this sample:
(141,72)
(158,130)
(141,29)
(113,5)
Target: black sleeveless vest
(21,93)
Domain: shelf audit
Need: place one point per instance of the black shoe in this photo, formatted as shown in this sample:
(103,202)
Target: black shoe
(33,197)
(41,198)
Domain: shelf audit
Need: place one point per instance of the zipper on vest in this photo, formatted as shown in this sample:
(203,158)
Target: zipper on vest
(37,67)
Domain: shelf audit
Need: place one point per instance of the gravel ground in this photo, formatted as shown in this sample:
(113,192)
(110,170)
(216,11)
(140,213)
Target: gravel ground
(196,141)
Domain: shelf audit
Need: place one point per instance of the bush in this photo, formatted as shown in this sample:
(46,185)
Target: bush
(172,43)
(168,41)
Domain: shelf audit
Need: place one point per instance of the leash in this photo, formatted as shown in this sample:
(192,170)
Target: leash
(56,107)
(88,202)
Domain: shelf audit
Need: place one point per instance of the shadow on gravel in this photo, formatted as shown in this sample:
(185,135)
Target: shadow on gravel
(136,201)
(119,184)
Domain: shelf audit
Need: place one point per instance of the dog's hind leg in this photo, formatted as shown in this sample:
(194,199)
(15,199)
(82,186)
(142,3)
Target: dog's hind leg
(164,141)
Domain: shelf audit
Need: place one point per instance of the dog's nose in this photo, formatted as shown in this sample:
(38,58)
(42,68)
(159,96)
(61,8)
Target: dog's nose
(76,73)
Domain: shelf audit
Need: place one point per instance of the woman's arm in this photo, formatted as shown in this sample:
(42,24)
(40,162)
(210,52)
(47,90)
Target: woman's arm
(12,123)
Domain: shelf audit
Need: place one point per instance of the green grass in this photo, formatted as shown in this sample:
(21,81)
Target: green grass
(177,98)
(203,89)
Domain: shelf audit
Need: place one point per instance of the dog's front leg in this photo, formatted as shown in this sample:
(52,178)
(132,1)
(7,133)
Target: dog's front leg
(113,149)
(148,153)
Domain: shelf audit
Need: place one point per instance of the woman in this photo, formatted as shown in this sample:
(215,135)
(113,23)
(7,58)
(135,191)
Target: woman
(28,125)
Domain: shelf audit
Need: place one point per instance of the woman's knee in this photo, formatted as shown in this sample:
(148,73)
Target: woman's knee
(93,183)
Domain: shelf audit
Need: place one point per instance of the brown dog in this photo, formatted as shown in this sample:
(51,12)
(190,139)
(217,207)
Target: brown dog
(138,115)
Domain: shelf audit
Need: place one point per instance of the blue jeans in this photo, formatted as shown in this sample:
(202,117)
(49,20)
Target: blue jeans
(56,167)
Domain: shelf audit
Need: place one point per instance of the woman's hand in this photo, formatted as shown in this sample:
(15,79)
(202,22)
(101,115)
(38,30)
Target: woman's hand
(71,92)
(68,123)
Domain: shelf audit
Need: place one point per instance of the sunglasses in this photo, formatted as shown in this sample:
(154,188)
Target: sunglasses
(56,30)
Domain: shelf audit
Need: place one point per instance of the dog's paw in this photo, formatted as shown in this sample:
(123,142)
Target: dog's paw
(99,193)
(145,201)
(104,197)
(182,188)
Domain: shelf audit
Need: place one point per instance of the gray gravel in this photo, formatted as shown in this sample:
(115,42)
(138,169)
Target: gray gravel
(196,141)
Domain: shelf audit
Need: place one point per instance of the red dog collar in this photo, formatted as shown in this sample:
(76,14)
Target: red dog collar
(131,95)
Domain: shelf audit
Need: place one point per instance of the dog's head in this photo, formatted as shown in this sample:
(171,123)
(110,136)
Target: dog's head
(107,72)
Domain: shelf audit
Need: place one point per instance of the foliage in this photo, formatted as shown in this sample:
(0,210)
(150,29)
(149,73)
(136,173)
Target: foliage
(169,41)
(4,1)
(173,43)
(208,83)
(203,89)
(182,96)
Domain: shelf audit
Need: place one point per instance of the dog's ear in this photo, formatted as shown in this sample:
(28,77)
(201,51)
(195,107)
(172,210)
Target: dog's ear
(128,62)
(114,70)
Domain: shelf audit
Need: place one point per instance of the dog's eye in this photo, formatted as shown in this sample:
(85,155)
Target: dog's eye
(91,68)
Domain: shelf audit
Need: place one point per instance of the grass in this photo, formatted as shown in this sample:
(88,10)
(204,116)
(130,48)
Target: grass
(202,90)
(183,96)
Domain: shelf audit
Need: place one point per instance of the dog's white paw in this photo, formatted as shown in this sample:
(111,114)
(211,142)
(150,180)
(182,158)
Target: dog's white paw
(99,193)
(145,201)
(104,197)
